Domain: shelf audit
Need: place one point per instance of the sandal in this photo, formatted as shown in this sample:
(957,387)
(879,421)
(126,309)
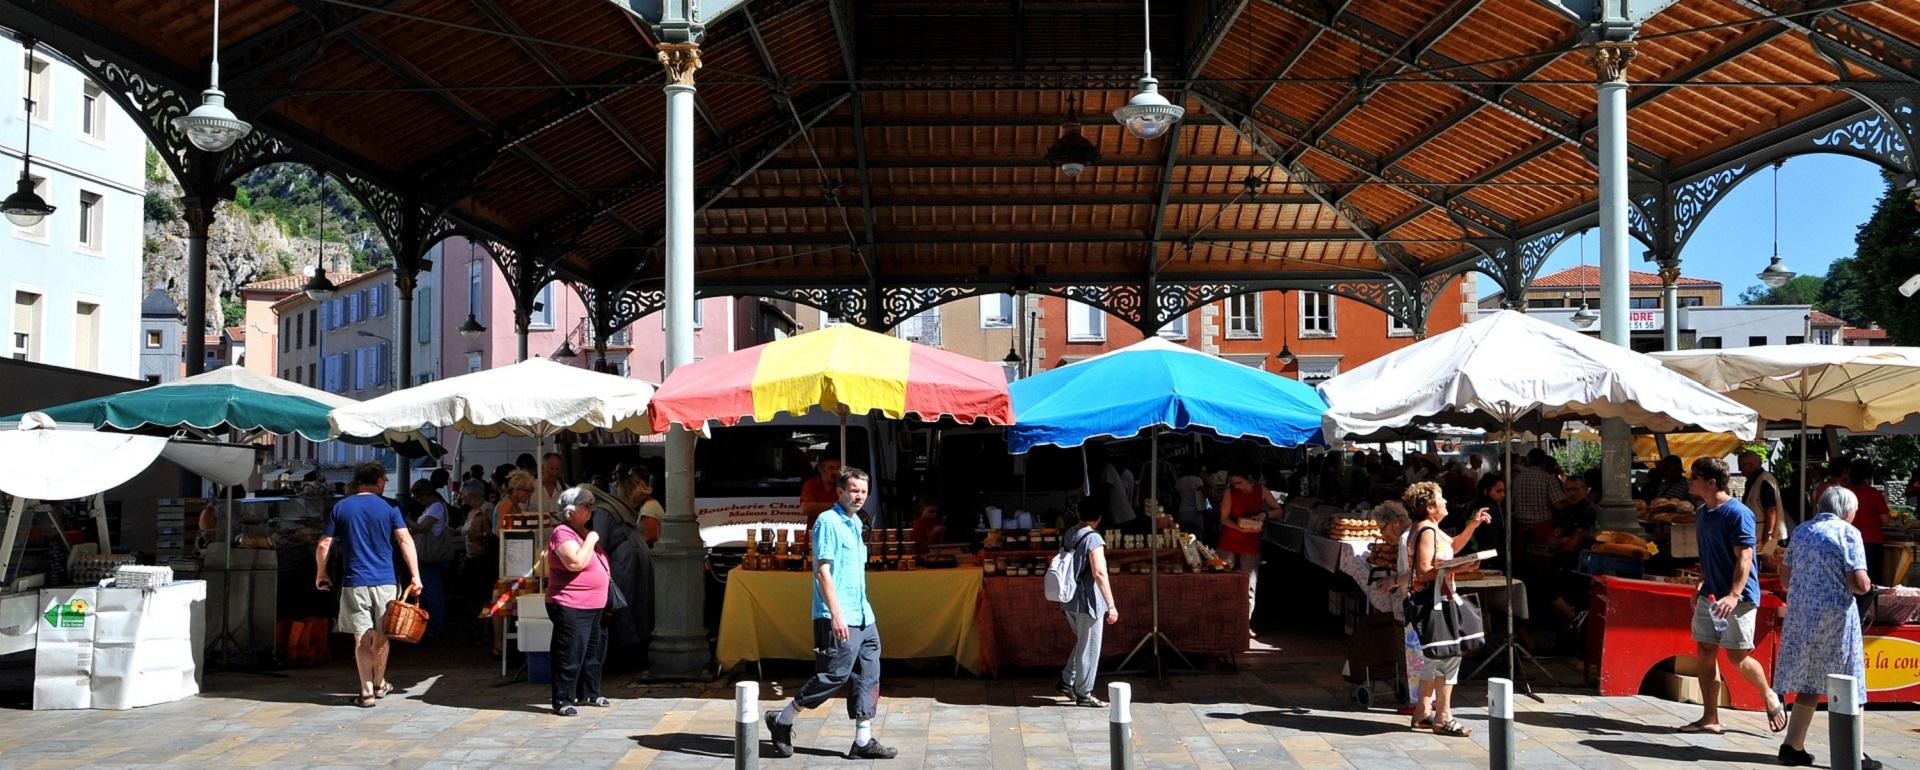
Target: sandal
(1422,723)
(385,689)
(1452,729)
(363,701)
(1777,718)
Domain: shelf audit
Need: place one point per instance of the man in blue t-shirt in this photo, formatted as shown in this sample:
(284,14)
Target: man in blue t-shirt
(1728,600)
(368,527)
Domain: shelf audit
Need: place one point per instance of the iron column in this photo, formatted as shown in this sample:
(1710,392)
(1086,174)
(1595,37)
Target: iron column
(199,211)
(680,641)
(1610,59)
(1670,299)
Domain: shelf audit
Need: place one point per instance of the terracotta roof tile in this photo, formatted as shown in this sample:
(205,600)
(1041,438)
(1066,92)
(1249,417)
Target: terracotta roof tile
(237,333)
(283,283)
(1864,334)
(1822,319)
(1589,275)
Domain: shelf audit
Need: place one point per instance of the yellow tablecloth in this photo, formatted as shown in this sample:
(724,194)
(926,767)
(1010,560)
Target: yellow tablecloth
(921,614)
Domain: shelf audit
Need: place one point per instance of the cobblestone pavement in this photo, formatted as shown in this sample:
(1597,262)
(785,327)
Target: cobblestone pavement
(1283,709)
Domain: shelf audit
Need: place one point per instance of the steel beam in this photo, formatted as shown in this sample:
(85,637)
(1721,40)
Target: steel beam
(752,203)
(710,238)
(560,75)
(1212,35)
(1896,60)
(843,35)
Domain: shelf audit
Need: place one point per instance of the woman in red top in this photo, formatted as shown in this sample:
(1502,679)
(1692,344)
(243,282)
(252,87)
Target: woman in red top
(1242,509)
(1874,513)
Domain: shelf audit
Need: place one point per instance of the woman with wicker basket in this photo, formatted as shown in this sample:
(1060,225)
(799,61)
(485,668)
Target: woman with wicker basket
(577,579)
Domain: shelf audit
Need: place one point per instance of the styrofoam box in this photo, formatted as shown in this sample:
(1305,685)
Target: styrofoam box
(530,606)
(536,634)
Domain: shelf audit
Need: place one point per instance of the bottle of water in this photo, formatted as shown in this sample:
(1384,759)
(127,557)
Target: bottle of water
(1719,623)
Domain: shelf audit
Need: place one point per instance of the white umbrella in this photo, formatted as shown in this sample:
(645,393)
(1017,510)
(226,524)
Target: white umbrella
(1819,386)
(1509,371)
(534,398)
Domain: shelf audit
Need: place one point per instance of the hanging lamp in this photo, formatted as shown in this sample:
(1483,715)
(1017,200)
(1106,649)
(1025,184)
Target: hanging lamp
(319,288)
(211,126)
(1776,274)
(1148,114)
(1584,317)
(25,208)
(471,328)
(1072,153)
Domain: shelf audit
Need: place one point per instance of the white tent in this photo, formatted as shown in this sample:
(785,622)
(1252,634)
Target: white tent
(533,398)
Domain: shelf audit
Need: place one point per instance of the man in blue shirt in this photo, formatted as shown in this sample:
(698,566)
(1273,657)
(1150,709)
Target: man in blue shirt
(1728,600)
(846,642)
(368,528)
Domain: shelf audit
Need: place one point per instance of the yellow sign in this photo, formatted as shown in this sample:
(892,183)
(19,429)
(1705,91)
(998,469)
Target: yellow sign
(1892,663)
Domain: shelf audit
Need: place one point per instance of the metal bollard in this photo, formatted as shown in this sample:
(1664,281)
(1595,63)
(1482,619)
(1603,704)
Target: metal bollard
(746,726)
(1843,722)
(1500,723)
(1120,694)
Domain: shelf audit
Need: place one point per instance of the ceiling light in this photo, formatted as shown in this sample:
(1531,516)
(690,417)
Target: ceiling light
(211,126)
(1148,114)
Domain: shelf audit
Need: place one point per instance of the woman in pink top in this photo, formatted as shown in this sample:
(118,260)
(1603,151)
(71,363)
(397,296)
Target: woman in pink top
(577,579)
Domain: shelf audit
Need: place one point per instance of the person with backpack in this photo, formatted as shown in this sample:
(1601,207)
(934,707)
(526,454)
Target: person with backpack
(1077,579)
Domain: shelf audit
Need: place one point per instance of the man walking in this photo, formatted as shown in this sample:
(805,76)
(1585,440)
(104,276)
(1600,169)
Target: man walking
(1763,498)
(846,643)
(1727,602)
(368,526)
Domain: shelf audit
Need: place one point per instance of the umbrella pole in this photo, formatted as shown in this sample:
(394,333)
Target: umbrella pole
(1154,636)
(1806,505)
(1507,503)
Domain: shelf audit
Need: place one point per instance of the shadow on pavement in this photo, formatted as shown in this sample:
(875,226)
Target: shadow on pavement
(713,746)
(1306,721)
(1680,752)
(1591,724)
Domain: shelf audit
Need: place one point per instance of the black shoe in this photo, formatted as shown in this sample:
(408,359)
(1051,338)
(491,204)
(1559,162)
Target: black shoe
(781,735)
(565,710)
(1792,757)
(1869,763)
(1090,701)
(871,750)
(599,702)
(1063,688)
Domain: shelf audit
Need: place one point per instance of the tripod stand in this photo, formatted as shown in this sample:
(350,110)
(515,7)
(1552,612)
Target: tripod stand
(1154,636)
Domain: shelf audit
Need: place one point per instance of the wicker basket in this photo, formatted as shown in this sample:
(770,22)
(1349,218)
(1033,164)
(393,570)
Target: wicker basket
(405,621)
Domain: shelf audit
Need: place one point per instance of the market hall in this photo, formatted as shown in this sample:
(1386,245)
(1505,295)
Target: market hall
(874,161)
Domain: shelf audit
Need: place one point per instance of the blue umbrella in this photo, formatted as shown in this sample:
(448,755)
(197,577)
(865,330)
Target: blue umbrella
(1157,383)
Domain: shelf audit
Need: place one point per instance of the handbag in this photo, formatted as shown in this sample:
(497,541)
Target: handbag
(405,621)
(616,598)
(1448,627)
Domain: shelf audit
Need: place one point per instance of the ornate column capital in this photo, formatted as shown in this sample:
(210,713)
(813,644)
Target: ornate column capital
(405,281)
(681,60)
(1669,272)
(1610,58)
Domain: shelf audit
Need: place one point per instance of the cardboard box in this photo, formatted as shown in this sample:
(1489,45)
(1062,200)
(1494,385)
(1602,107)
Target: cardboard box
(1685,689)
(119,648)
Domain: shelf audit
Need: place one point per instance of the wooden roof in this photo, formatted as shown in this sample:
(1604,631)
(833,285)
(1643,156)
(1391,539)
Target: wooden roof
(1383,134)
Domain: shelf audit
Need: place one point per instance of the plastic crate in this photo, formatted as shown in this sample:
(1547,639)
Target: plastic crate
(1597,564)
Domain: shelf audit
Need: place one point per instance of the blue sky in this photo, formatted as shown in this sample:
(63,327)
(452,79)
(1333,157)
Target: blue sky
(1823,201)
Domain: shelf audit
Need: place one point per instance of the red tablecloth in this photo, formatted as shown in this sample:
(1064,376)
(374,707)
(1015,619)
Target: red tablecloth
(1204,614)
(1634,625)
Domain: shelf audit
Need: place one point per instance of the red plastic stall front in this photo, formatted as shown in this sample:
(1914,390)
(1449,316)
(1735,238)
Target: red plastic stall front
(1634,625)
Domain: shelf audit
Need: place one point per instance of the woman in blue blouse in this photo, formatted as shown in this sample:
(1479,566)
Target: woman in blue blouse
(1825,568)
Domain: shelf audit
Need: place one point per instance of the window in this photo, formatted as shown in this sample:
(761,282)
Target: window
(996,311)
(1756,341)
(699,317)
(86,336)
(1085,323)
(313,327)
(423,315)
(1316,315)
(378,298)
(286,340)
(26,326)
(153,339)
(1643,303)
(1709,343)
(1796,340)
(37,232)
(1255,361)
(1176,329)
(93,115)
(1397,326)
(473,362)
(1318,369)
(153,379)
(923,327)
(299,332)
(543,309)
(1243,317)
(473,288)
(89,221)
(35,79)
(1546,303)
(1823,336)
(356,307)
(1692,301)
(313,376)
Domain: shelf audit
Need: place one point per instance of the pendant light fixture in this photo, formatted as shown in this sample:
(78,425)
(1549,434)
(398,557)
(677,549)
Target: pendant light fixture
(1285,356)
(566,351)
(211,126)
(1072,153)
(471,329)
(1148,114)
(1584,317)
(1776,275)
(319,288)
(25,208)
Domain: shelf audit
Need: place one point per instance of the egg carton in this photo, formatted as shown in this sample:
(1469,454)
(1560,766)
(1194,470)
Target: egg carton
(142,576)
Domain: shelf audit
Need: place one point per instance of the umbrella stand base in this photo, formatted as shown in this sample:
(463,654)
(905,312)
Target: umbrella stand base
(1511,647)
(1159,641)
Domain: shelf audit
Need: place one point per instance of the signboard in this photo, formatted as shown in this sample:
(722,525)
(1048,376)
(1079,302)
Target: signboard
(1646,320)
(725,520)
(1893,667)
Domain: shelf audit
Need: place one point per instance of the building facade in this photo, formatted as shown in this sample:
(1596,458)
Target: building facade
(342,345)
(73,280)
(162,338)
(1711,328)
(1567,287)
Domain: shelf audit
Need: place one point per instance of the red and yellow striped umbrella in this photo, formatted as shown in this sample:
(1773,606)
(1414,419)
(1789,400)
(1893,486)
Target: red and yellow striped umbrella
(834,368)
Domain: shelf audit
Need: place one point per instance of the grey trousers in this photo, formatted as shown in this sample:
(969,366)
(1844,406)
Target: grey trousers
(853,663)
(1084,663)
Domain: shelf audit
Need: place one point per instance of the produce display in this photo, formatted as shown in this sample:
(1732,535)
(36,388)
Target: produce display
(1354,530)
(1666,510)
(1381,553)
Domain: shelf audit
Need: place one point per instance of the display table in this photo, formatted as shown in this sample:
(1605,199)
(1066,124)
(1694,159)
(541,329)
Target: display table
(119,648)
(1893,663)
(1203,614)
(1635,625)
(933,613)
(1334,555)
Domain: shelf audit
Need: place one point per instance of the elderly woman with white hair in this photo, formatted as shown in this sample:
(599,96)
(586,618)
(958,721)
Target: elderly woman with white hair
(577,579)
(1825,568)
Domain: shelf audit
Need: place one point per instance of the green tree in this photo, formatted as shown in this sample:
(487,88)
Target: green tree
(234,310)
(1886,254)
(1841,294)
(1802,290)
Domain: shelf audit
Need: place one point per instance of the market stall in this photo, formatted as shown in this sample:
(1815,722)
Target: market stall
(926,613)
(1634,626)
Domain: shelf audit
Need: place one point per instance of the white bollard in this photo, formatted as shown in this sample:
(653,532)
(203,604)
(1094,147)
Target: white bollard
(746,726)
(1120,695)
(1500,724)
(1843,722)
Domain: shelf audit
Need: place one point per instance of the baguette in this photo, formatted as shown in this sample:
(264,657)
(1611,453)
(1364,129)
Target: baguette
(1620,538)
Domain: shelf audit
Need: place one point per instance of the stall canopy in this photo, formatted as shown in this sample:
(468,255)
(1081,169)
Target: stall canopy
(1156,383)
(1512,372)
(43,460)
(229,398)
(533,398)
(838,369)
(1821,386)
